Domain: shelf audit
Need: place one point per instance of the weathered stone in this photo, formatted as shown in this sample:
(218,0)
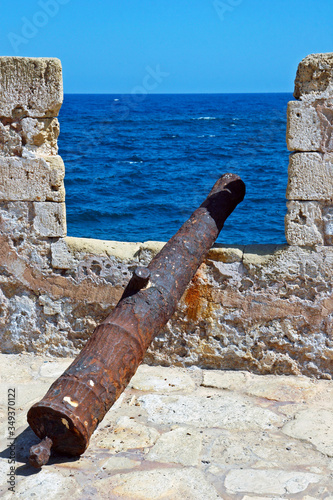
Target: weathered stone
(28,137)
(310,177)
(314,75)
(260,254)
(30,86)
(280,388)
(50,219)
(53,369)
(247,497)
(25,394)
(303,223)
(231,449)
(273,387)
(37,179)
(62,257)
(46,484)
(50,307)
(226,411)
(268,481)
(316,426)
(159,378)
(180,446)
(224,380)
(328,225)
(226,253)
(40,135)
(10,140)
(127,434)
(120,249)
(16,368)
(303,127)
(249,449)
(171,483)
(119,463)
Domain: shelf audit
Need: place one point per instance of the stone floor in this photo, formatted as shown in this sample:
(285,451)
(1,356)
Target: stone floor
(180,434)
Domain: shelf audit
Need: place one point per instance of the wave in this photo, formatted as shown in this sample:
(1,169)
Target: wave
(205,118)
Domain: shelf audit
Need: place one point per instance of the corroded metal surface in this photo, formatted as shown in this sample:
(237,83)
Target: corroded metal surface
(78,400)
(40,453)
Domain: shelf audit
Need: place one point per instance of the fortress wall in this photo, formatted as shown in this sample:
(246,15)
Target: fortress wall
(264,308)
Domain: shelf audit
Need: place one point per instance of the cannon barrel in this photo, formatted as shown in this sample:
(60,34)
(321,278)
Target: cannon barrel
(79,399)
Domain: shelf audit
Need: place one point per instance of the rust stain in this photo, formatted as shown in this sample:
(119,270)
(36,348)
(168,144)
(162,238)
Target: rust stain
(198,297)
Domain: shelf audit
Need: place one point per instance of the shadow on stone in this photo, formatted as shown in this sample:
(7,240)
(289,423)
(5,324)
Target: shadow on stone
(23,443)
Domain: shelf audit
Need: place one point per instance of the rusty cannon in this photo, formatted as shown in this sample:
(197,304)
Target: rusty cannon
(79,399)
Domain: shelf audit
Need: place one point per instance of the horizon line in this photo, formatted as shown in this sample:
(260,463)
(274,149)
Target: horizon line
(175,93)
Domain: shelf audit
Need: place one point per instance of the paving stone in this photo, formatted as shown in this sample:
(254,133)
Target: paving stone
(261,498)
(16,368)
(119,463)
(227,411)
(233,449)
(181,446)
(281,388)
(231,380)
(277,482)
(161,379)
(45,484)
(175,484)
(127,434)
(25,394)
(143,450)
(53,369)
(315,426)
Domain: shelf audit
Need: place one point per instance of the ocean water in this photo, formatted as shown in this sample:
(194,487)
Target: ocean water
(138,166)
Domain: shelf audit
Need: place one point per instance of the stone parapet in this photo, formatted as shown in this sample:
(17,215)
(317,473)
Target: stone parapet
(309,133)
(262,308)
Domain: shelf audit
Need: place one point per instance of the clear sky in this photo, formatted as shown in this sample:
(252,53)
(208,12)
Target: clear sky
(170,46)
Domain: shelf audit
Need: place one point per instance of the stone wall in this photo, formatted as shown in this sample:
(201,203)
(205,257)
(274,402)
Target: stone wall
(265,308)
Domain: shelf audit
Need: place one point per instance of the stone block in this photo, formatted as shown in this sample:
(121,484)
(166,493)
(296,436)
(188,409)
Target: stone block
(310,177)
(40,136)
(328,225)
(29,135)
(62,258)
(303,223)
(310,126)
(314,74)
(32,179)
(50,219)
(10,139)
(30,86)
(303,127)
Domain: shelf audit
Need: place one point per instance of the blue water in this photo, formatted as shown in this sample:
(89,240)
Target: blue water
(138,166)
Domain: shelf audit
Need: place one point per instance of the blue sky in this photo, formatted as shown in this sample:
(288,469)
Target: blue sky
(170,46)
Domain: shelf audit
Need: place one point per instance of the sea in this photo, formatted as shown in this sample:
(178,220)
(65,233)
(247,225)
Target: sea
(137,166)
